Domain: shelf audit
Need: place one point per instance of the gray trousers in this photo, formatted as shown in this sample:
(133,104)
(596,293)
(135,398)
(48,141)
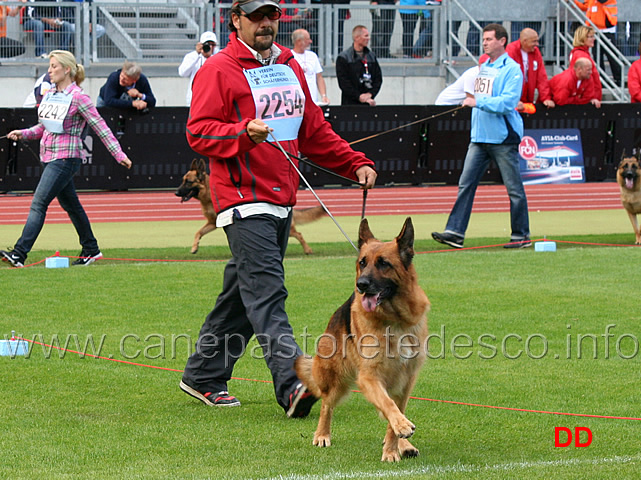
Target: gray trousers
(252,302)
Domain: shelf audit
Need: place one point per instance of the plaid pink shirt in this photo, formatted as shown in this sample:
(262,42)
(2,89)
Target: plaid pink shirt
(54,146)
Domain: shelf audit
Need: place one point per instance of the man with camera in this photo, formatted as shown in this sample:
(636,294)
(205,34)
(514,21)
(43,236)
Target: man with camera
(205,48)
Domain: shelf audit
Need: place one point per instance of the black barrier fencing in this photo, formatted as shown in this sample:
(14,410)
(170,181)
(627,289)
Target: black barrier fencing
(426,144)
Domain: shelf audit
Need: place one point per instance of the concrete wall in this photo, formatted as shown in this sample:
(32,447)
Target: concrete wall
(402,84)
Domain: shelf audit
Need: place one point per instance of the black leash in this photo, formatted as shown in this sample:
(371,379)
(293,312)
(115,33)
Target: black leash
(288,157)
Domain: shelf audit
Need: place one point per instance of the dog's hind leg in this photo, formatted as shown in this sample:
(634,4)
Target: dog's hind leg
(299,236)
(331,396)
(322,435)
(208,227)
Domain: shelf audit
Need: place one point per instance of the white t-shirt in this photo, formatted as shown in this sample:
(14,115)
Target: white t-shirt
(454,94)
(308,60)
(189,67)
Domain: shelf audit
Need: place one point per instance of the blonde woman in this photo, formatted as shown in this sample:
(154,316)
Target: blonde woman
(583,42)
(62,116)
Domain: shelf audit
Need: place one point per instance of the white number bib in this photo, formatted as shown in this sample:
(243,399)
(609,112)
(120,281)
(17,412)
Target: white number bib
(279,99)
(53,109)
(484,82)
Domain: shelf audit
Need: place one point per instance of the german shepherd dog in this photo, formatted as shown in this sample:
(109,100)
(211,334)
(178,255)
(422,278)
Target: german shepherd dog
(630,184)
(376,340)
(195,184)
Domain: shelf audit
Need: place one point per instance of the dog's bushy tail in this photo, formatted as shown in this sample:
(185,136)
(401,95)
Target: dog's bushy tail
(303,366)
(308,215)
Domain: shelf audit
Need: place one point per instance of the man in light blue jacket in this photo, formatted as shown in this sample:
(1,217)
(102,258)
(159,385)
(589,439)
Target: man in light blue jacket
(497,129)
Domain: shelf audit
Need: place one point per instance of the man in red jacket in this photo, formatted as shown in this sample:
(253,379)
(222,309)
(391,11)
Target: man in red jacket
(525,51)
(251,94)
(634,80)
(571,87)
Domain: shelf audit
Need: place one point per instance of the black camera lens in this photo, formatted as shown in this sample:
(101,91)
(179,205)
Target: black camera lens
(206,47)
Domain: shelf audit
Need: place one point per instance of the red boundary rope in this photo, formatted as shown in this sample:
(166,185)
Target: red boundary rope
(419,253)
(451,402)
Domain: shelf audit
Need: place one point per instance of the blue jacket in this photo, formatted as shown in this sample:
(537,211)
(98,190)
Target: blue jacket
(418,3)
(491,112)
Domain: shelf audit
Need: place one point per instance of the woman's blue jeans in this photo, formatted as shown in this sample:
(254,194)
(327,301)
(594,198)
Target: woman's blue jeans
(56,181)
(476,163)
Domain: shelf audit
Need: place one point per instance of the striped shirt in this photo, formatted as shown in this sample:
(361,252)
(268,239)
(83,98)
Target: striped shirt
(55,146)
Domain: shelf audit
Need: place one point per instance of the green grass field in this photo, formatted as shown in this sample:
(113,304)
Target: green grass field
(515,329)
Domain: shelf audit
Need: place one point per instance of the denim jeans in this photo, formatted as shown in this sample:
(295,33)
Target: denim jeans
(56,181)
(476,162)
(63,34)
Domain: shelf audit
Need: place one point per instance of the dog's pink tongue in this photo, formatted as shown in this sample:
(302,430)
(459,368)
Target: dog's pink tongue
(370,302)
(629,183)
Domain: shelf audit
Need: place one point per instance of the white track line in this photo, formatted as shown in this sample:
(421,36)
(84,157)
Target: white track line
(513,467)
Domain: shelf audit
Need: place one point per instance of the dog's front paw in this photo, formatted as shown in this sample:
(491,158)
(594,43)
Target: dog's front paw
(322,440)
(390,456)
(404,428)
(406,449)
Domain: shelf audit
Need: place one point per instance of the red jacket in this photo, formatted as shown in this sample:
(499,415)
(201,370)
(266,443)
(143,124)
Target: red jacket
(240,170)
(537,77)
(583,51)
(634,82)
(566,92)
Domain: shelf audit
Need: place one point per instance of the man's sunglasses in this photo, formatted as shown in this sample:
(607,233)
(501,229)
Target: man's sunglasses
(258,16)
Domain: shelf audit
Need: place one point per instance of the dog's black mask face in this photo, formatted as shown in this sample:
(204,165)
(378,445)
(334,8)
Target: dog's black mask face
(375,289)
(629,170)
(187,191)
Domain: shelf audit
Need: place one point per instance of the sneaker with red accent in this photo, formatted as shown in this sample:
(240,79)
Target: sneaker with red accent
(300,402)
(220,399)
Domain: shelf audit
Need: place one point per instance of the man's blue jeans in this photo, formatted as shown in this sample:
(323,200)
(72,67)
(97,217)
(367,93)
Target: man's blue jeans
(63,34)
(477,161)
(57,181)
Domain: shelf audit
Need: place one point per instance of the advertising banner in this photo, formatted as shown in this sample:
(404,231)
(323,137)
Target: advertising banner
(551,156)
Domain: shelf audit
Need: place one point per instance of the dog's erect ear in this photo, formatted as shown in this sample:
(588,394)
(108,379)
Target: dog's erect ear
(405,242)
(364,233)
(623,155)
(638,154)
(194,163)
(201,166)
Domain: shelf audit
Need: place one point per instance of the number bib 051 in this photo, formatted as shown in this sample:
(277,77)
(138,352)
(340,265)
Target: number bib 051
(53,110)
(484,82)
(279,99)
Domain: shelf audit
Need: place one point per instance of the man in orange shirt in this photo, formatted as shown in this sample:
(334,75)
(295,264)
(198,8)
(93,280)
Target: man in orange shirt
(604,14)
(8,46)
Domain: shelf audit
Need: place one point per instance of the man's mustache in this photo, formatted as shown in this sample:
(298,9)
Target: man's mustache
(265,31)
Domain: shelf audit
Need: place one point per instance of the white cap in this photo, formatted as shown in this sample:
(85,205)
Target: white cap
(208,37)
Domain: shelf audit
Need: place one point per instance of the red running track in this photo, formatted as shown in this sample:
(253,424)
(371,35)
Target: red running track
(164,205)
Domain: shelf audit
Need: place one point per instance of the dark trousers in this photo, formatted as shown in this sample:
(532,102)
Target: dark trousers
(10,47)
(382,27)
(252,302)
(409,24)
(614,66)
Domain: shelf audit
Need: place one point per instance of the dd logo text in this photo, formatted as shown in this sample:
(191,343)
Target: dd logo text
(563,437)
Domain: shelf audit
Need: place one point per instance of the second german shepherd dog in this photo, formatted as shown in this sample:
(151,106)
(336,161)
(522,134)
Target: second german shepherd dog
(195,184)
(629,180)
(376,340)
